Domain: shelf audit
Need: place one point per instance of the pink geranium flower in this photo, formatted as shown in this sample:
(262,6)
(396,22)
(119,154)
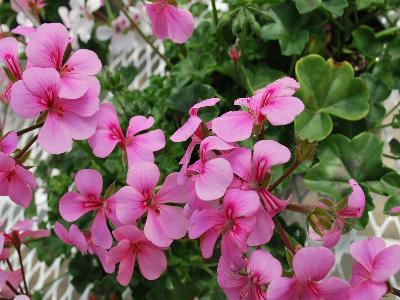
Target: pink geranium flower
(275,104)
(66,119)
(170,22)
(14,278)
(9,57)
(246,278)
(138,147)
(100,252)
(9,142)
(46,49)
(16,181)
(375,264)
(311,267)
(132,244)
(234,220)
(74,205)
(251,170)
(211,175)
(164,223)
(73,236)
(27,5)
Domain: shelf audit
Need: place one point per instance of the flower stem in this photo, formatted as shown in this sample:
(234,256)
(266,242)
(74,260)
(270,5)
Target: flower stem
(301,208)
(285,237)
(12,288)
(18,248)
(392,109)
(30,128)
(386,32)
(285,175)
(215,14)
(122,7)
(26,148)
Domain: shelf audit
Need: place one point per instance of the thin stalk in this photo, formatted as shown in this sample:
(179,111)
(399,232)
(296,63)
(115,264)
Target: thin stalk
(386,32)
(141,33)
(27,147)
(18,248)
(285,175)
(301,208)
(29,129)
(285,237)
(215,14)
(392,109)
(383,126)
(13,289)
(390,156)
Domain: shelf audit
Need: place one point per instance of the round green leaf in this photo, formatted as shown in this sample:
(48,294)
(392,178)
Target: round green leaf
(328,89)
(393,201)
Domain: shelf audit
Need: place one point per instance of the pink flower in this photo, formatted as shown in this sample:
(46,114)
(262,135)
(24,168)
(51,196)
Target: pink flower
(274,104)
(16,181)
(46,49)
(133,243)
(164,223)
(9,142)
(73,237)
(101,253)
(235,221)
(74,205)
(14,278)
(234,53)
(27,5)
(246,278)
(395,210)
(311,267)
(170,22)
(67,119)
(192,128)
(251,171)
(375,264)
(24,30)
(211,175)
(9,57)
(139,147)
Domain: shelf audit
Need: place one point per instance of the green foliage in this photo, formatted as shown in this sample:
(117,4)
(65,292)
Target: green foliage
(336,7)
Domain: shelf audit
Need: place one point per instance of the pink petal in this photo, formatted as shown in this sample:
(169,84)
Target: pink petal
(26,176)
(143,177)
(333,288)
(79,128)
(9,55)
(153,140)
(172,221)
(386,264)
(54,130)
(102,255)
(73,86)
(368,290)
(186,130)
(239,203)
(213,143)
(101,235)
(264,267)
(263,229)
(19,192)
(102,143)
(138,124)
(47,46)
(356,202)
(171,191)
(119,252)
(233,126)
(207,242)
(24,30)
(205,103)
(272,204)
(228,274)
(153,230)
(138,153)
(323,261)
(72,206)
(125,271)
(152,262)
(365,251)
(129,232)
(203,220)
(89,183)
(241,162)
(282,110)
(62,233)
(85,62)
(129,205)
(283,288)
(214,180)
(8,144)
(78,239)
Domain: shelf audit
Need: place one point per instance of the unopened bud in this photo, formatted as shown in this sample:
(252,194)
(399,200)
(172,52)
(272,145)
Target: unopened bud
(305,150)
(234,54)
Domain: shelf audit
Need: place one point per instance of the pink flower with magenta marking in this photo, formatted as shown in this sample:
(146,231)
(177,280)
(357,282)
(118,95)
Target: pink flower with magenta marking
(74,205)
(9,57)
(169,21)
(234,220)
(374,265)
(275,104)
(47,48)
(138,147)
(311,267)
(132,244)
(164,222)
(73,236)
(9,142)
(67,119)
(16,181)
(246,278)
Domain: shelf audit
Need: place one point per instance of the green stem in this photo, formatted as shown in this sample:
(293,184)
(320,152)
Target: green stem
(301,208)
(215,14)
(292,65)
(30,128)
(18,248)
(26,148)
(383,126)
(285,237)
(386,32)
(285,175)
(392,109)
(390,156)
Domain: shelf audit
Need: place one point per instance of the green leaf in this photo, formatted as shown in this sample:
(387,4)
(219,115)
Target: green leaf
(394,146)
(327,89)
(336,7)
(394,48)
(361,4)
(364,41)
(391,183)
(392,201)
(341,159)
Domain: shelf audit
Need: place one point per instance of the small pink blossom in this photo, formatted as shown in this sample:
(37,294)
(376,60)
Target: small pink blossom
(246,278)
(132,244)
(234,220)
(311,267)
(138,147)
(251,170)
(16,181)
(211,175)
(67,119)
(24,30)
(27,5)
(395,210)
(164,222)
(9,57)
(169,21)
(46,49)
(73,236)
(74,205)
(14,278)
(275,104)
(9,142)
(374,265)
